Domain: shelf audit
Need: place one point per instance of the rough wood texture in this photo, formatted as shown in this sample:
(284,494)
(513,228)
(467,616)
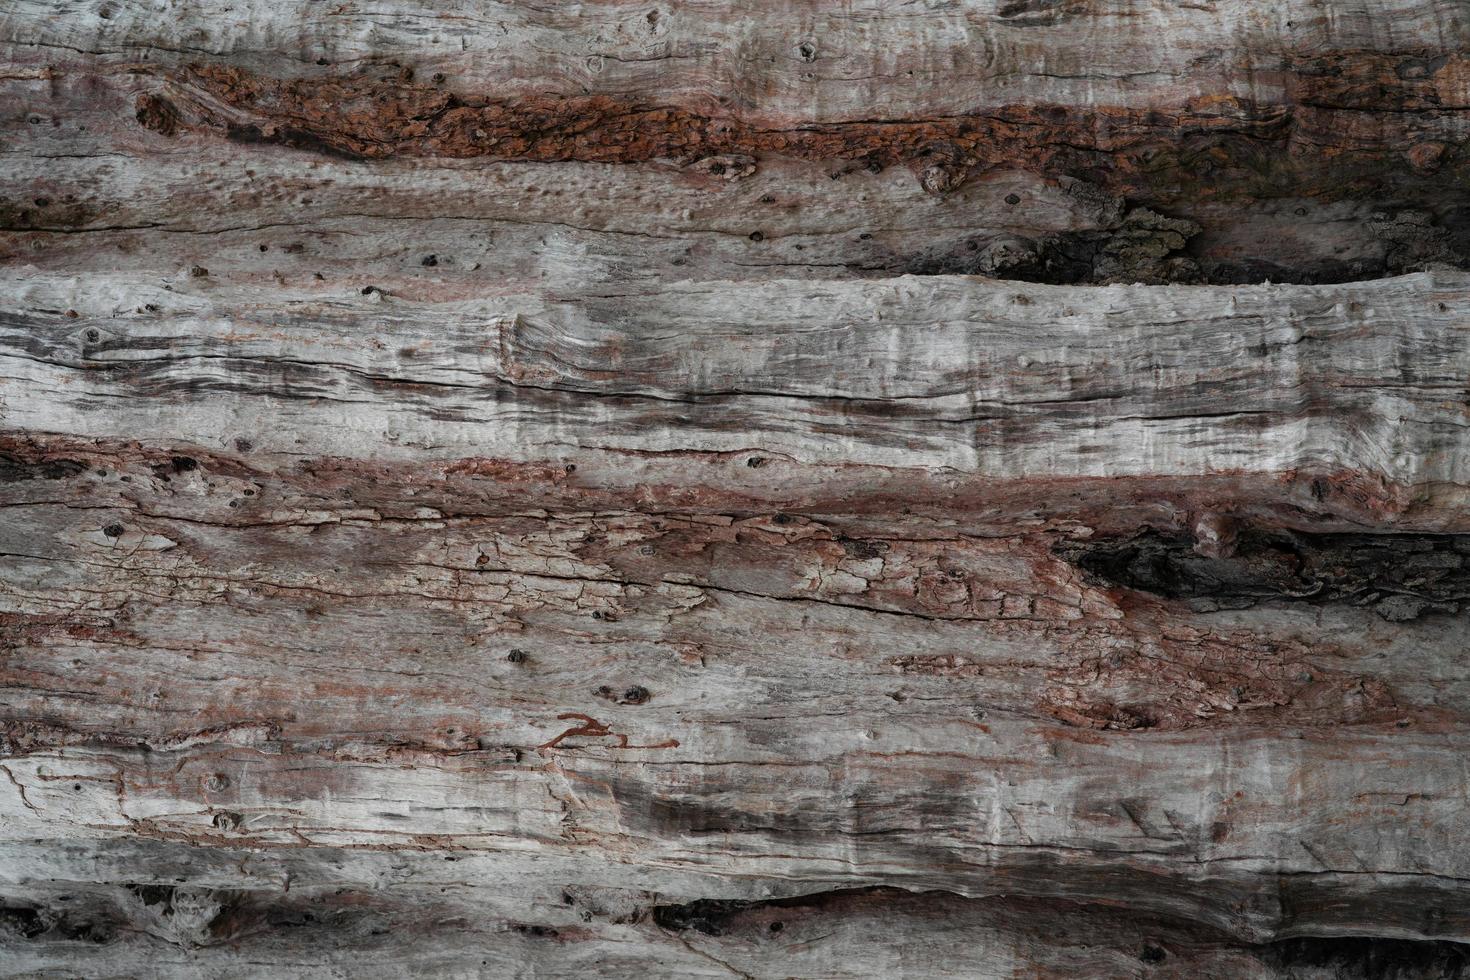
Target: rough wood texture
(645,490)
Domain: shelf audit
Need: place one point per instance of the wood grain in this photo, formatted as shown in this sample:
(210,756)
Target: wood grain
(640,489)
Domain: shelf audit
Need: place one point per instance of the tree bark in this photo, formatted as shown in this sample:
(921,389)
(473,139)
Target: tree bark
(645,490)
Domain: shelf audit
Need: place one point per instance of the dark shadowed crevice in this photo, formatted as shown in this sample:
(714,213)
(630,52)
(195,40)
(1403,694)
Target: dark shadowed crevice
(14,469)
(710,916)
(1155,943)
(1364,958)
(49,925)
(23,923)
(1400,576)
(718,916)
(1145,246)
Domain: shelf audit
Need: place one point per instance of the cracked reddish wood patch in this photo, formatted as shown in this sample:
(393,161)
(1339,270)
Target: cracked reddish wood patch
(1335,132)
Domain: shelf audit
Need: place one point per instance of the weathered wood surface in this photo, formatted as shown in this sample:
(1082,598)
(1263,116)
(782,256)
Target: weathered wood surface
(532,491)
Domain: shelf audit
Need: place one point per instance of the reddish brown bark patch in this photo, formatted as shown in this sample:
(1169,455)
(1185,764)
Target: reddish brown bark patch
(158,114)
(1327,138)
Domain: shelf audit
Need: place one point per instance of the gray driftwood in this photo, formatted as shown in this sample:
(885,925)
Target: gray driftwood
(930,490)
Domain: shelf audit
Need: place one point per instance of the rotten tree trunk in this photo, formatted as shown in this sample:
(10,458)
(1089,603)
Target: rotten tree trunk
(636,490)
